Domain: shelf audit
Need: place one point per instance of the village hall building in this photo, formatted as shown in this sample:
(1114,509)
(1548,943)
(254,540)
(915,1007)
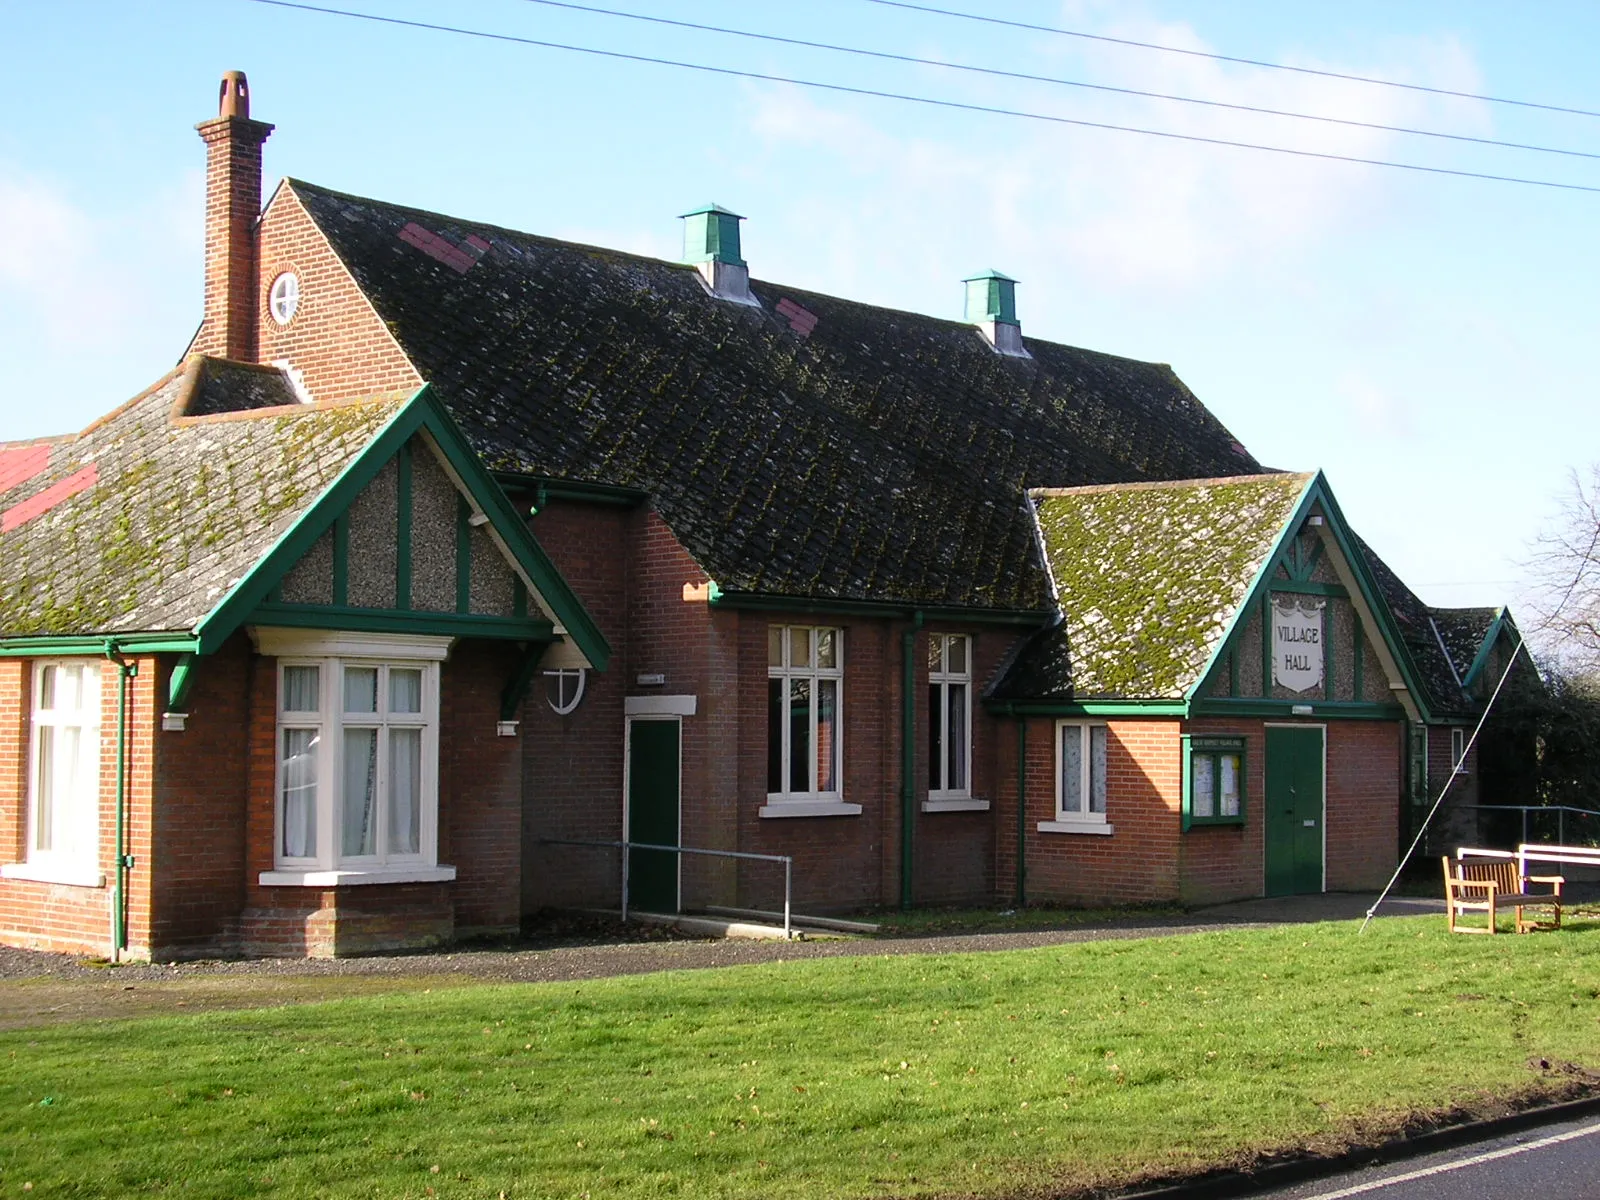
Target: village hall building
(445,549)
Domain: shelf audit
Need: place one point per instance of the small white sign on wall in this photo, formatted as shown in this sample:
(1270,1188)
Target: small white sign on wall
(1297,642)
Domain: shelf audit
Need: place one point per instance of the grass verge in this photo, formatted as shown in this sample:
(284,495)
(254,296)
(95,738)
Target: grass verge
(920,922)
(991,1075)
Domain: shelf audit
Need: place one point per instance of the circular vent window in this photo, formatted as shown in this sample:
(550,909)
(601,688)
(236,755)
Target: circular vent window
(284,298)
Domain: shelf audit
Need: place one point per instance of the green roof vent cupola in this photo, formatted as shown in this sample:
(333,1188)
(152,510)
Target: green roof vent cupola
(992,307)
(711,246)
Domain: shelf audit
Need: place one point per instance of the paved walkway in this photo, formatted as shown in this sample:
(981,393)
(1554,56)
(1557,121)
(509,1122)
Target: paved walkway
(40,988)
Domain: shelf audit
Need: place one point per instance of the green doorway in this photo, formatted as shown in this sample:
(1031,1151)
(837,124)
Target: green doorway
(653,804)
(1295,809)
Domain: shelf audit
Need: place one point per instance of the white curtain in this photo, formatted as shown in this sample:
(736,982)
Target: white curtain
(300,747)
(359,836)
(405,791)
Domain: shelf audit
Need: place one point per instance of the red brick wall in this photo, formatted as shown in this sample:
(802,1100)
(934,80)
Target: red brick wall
(1363,817)
(198,858)
(62,917)
(572,765)
(335,339)
(1228,862)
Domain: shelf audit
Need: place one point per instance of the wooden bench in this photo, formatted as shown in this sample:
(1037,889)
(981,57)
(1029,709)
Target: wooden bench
(1488,881)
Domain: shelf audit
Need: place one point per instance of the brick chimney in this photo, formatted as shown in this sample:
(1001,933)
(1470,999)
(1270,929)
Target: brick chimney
(233,206)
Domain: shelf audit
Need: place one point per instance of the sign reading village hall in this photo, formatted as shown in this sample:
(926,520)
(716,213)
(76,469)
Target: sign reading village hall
(1297,643)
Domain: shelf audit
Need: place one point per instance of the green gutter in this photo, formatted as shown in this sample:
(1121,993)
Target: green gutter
(71,645)
(544,489)
(889,610)
(908,754)
(1089,708)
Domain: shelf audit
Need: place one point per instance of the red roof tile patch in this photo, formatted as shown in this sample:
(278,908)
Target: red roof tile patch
(53,495)
(18,464)
(442,249)
(801,321)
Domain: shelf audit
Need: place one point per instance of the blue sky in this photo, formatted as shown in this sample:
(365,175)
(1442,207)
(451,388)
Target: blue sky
(1426,340)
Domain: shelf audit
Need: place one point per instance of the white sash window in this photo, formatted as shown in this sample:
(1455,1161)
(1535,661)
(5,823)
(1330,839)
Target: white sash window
(64,768)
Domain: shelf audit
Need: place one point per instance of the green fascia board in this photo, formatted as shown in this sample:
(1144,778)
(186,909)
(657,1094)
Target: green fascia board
(887,609)
(1241,614)
(535,563)
(1317,490)
(1228,706)
(80,645)
(1502,622)
(422,411)
(1088,708)
(385,620)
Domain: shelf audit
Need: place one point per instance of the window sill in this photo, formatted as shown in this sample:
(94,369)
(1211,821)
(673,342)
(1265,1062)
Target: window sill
(325,879)
(87,877)
(938,804)
(1090,827)
(810,808)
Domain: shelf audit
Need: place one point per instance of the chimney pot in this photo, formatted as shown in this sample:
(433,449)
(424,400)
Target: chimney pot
(233,99)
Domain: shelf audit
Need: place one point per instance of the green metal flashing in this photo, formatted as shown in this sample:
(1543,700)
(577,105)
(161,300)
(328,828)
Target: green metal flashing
(386,620)
(463,555)
(78,645)
(341,559)
(1219,706)
(566,489)
(1501,622)
(516,688)
(402,527)
(885,609)
(423,412)
(180,681)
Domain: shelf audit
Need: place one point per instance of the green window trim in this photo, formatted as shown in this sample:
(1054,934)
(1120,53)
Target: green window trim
(1214,750)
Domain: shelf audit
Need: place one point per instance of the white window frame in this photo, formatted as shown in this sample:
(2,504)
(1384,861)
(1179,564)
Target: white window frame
(74,859)
(1458,750)
(283,297)
(940,677)
(1080,821)
(332,654)
(812,802)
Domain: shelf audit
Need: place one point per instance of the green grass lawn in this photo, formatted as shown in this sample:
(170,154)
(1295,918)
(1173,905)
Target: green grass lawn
(918,922)
(964,1075)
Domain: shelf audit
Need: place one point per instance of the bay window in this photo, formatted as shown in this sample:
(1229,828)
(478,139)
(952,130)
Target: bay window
(805,696)
(949,716)
(357,775)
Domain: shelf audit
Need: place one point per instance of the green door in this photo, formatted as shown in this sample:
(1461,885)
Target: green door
(1294,810)
(653,814)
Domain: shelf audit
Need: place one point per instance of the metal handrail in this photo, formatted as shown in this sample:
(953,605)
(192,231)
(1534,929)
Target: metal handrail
(625,846)
(1561,811)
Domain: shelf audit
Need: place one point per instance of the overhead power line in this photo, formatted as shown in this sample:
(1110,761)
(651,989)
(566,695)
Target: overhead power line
(1227,58)
(1026,77)
(990,110)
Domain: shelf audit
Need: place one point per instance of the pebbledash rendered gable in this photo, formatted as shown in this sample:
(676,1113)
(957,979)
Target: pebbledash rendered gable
(871,455)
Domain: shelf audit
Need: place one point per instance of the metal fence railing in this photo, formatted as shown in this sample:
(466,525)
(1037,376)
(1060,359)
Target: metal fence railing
(626,846)
(1512,824)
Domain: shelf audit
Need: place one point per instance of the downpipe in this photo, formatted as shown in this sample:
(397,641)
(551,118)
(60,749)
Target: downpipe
(123,861)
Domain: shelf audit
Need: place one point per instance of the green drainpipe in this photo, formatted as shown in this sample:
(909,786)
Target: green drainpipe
(1022,811)
(119,892)
(908,752)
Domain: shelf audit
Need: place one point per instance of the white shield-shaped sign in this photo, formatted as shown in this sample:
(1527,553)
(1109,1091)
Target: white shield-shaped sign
(1297,642)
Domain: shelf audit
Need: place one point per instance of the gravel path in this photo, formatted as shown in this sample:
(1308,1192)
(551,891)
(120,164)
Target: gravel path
(38,988)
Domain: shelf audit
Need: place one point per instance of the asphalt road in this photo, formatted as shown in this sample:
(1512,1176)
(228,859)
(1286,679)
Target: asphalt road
(1554,1162)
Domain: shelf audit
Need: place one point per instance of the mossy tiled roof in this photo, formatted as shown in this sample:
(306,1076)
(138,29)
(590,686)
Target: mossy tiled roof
(179,508)
(872,455)
(1149,577)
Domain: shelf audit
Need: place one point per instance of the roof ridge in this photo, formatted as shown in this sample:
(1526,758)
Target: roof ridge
(755,281)
(1049,493)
